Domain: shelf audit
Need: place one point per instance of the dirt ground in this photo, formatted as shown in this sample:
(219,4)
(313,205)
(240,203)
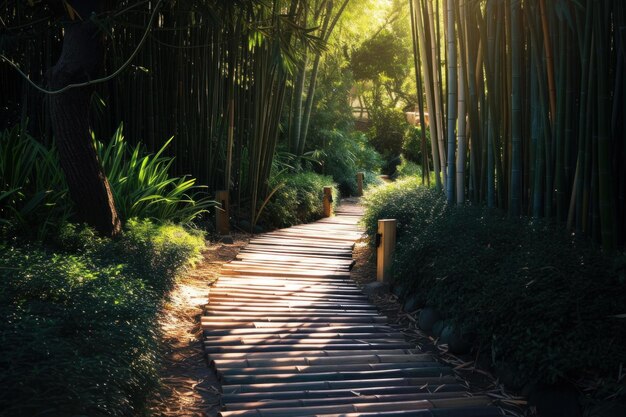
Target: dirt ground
(189,387)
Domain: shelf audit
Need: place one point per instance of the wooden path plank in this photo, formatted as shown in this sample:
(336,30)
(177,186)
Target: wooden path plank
(290,334)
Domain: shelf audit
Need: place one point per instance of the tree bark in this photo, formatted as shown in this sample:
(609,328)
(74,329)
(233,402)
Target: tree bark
(81,58)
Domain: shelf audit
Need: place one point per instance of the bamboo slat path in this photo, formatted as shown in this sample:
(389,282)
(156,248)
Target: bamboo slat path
(289,334)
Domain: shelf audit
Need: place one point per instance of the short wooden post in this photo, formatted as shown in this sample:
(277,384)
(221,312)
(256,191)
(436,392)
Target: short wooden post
(222,213)
(386,244)
(328,201)
(359,184)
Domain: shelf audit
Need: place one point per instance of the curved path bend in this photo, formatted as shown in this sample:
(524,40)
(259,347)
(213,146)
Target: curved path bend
(291,335)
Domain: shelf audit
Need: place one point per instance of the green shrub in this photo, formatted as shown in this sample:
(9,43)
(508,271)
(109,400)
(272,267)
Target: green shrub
(142,186)
(412,144)
(33,193)
(531,296)
(408,168)
(80,332)
(297,199)
(344,155)
(402,200)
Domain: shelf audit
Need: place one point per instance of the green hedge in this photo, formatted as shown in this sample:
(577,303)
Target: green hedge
(538,301)
(79,329)
(297,199)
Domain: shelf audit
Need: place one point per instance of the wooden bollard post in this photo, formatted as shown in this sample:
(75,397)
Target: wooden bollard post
(328,201)
(386,244)
(222,215)
(359,184)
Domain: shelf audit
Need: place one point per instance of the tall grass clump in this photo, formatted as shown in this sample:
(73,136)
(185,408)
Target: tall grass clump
(33,193)
(143,187)
(34,199)
(80,331)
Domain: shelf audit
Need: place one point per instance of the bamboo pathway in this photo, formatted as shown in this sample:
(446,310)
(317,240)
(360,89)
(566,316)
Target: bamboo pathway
(290,335)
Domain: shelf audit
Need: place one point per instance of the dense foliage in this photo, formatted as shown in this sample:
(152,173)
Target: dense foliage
(79,333)
(233,58)
(33,193)
(296,198)
(343,155)
(526,110)
(544,305)
(387,134)
(383,56)
(143,187)
(412,144)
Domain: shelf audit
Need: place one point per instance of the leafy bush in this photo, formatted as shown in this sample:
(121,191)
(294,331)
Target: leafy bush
(412,144)
(32,186)
(408,168)
(297,198)
(534,298)
(387,136)
(344,155)
(79,331)
(142,186)
(402,200)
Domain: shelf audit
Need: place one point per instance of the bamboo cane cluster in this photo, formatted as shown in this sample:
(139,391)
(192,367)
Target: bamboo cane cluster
(534,104)
(214,74)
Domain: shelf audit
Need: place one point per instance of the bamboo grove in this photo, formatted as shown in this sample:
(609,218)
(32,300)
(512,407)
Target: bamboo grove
(216,75)
(526,102)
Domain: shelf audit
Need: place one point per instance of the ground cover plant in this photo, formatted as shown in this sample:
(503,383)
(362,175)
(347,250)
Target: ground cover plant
(80,334)
(80,331)
(539,305)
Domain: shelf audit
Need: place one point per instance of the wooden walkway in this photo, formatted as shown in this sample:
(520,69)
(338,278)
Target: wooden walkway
(290,334)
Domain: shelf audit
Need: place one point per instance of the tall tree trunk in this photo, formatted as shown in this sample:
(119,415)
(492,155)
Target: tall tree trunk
(438,106)
(327,30)
(549,58)
(81,58)
(461,138)
(426,69)
(420,92)
(452,100)
(516,113)
(605,192)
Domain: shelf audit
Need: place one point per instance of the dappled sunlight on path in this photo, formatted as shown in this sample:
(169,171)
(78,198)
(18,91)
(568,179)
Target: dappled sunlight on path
(290,334)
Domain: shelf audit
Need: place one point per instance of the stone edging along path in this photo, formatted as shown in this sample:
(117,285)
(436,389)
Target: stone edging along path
(290,334)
